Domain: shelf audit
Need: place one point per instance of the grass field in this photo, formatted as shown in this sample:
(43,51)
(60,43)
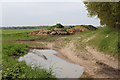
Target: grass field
(22,34)
(14,34)
(11,68)
(14,31)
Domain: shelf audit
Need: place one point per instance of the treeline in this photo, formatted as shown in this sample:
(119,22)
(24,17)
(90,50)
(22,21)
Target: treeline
(48,27)
(26,27)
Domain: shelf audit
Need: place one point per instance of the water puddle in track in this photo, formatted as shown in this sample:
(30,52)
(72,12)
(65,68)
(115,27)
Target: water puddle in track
(45,59)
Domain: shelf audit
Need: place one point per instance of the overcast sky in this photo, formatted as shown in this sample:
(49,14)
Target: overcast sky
(45,13)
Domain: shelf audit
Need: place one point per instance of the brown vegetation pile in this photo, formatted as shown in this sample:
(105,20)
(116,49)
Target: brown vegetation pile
(34,32)
(40,32)
(77,30)
(56,31)
(59,31)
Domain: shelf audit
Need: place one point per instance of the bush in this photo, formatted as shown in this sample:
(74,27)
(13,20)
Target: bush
(13,72)
(59,26)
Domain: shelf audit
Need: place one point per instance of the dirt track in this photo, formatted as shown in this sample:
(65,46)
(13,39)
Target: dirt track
(96,64)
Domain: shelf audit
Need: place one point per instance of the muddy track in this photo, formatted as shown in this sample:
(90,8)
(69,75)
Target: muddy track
(37,39)
(96,64)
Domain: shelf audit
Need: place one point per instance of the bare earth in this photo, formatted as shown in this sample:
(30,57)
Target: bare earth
(96,64)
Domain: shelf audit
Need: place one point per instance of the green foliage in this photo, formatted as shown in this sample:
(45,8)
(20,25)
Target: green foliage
(107,12)
(106,40)
(59,26)
(14,49)
(56,26)
(13,72)
(12,69)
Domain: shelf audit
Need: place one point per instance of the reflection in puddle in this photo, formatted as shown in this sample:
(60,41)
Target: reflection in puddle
(45,59)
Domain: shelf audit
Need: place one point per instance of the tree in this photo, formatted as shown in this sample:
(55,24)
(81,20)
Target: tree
(107,12)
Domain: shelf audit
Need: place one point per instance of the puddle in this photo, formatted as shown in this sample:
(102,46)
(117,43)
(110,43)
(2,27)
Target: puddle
(45,59)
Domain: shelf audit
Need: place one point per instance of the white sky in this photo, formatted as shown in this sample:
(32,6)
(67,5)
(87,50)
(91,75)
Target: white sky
(59,0)
(42,0)
(45,13)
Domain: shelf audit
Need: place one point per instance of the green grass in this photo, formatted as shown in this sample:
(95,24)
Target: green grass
(14,31)
(22,34)
(106,40)
(12,69)
(17,34)
(11,49)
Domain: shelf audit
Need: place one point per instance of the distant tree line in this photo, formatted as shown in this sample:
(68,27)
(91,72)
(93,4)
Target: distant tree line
(26,27)
(49,27)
